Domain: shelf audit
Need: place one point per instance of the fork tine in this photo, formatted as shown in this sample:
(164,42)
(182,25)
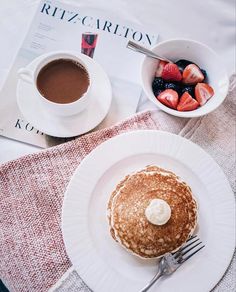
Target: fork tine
(187,245)
(188,257)
(192,237)
(190,248)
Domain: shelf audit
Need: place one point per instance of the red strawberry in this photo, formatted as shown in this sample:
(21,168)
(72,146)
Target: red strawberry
(203,92)
(192,74)
(160,68)
(187,103)
(171,72)
(169,97)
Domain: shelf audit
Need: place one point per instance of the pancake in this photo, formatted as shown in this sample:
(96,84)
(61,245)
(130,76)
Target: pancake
(126,212)
(149,168)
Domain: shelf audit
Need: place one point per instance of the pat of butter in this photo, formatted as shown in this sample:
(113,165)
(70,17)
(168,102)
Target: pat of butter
(158,212)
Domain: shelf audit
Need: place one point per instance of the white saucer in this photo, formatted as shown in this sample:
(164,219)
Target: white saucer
(41,119)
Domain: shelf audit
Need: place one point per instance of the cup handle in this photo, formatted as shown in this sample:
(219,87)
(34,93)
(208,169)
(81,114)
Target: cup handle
(26,75)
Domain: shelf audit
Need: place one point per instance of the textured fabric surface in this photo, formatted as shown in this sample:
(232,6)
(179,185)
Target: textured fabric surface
(32,253)
(70,282)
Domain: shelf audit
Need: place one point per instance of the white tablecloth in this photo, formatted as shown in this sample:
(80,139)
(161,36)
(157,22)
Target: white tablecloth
(209,21)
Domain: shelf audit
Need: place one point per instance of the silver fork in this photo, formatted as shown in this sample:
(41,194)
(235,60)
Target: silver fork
(172,261)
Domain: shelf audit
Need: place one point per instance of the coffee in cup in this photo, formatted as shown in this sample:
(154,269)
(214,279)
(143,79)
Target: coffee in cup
(62,82)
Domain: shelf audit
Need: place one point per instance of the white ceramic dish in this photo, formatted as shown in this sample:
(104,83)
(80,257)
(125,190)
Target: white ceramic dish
(200,54)
(67,126)
(102,263)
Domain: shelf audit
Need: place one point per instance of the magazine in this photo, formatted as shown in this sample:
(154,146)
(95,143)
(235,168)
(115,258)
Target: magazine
(61,26)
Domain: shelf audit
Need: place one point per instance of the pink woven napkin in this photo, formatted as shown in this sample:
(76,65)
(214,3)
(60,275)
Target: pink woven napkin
(32,253)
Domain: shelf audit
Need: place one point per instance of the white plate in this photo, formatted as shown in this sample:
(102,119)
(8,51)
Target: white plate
(70,126)
(99,260)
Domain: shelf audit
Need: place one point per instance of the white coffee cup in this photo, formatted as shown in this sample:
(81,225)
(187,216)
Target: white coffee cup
(61,109)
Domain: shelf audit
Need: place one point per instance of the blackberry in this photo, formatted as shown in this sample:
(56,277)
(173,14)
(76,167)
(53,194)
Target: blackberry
(189,89)
(182,64)
(157,92)
(204,73)
(158,83)
(175,86)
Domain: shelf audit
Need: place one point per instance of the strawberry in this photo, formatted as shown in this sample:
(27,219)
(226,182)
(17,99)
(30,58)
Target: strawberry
(187,103)
(169,97)
(160,68)
(171,72)
(203,92)
(192,74)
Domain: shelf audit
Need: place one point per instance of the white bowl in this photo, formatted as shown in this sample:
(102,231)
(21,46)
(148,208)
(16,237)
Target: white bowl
(200,54)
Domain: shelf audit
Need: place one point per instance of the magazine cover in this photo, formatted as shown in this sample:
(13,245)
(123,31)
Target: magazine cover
(60,26)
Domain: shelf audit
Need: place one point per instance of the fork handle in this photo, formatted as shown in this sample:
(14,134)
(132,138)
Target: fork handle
(137,48)
(154,279)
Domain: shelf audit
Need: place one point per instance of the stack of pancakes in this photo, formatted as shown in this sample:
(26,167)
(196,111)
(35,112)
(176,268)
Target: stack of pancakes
(126,212)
